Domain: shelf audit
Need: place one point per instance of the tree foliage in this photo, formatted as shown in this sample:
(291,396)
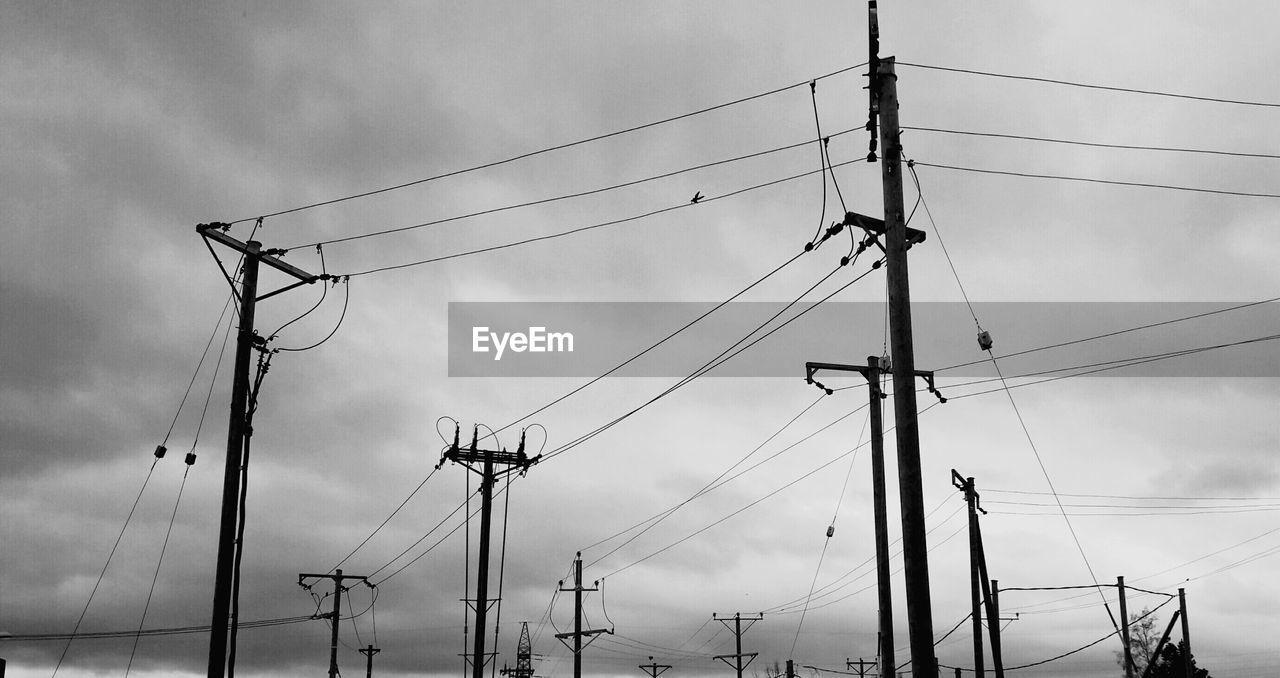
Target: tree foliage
(1143,638)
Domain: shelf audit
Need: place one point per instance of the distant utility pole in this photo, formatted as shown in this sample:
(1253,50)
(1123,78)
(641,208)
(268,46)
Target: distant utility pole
(482,462)
(1124,630)
(872,372)
(884,101)
(238,431)
(337,578)
(738,630)
(652,669)
(860,666)
(524,656)
(369,652)
(979,588)
(578,634)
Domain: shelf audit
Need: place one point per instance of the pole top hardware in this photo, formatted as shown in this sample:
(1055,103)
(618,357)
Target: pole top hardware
(876,227)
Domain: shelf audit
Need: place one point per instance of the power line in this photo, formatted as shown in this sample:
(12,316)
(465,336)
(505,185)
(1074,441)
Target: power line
(581,229)
(168,631)
(1091,180)
(1134,497)
(159,561)
(1106,335)
(557,147)
(715,483)
(74,631)
(1107,366)
(984,342)
(1110,88)
(566,196)
(1094,144)
(385,521)
(720,359)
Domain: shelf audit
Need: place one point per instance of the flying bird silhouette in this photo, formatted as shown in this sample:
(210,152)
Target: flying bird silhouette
(696,197)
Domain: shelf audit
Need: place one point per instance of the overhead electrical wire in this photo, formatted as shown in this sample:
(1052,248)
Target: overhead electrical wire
(831,529)
(156,575)
(653,521)
(723,357)
(565,196)
(1017,412)
(168,631)
(581,229)
(385,521)
(199,364)
(1093,144)
(1126,330)
(1094,180)
(556,147)
(1108,365)
(1069,83)
(75,630)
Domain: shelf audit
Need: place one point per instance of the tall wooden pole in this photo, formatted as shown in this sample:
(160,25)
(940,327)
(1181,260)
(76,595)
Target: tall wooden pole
(1124,630)
(1186,634)
(975,578)
(482,576)
(231,476)
(880,500)
(910,483)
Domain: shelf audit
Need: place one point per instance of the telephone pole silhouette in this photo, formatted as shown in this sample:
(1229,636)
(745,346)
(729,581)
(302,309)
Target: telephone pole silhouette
(860,666)
(369,652)
(872,371)
(883,90)
(737,629)
(483,462)
(654,669)
(524,656)
(578,634)
(337,578)
(238,431)
(981,587)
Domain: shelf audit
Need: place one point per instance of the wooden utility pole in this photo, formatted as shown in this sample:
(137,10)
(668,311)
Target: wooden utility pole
(578,634)
(482,462)
(369,652)
(738,630)
(860,666)
(993,615)
(872,373)
(653,669)
(1124,630)
(884,93)
(975,575)
(1186,634)
(252,255)
(337,578)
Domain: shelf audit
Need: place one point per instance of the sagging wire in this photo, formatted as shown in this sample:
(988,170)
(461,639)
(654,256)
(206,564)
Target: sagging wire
(346,299)
(190,461)
(74,630)
(831,531)
(324,291)
(985,344)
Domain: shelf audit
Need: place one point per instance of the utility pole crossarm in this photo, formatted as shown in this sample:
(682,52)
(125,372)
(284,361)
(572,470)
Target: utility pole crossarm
(269,257)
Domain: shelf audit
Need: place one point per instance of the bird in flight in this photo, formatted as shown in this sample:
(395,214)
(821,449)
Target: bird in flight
(696,197)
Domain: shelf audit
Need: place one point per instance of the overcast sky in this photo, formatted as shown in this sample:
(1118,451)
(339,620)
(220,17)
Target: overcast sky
(126,124)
